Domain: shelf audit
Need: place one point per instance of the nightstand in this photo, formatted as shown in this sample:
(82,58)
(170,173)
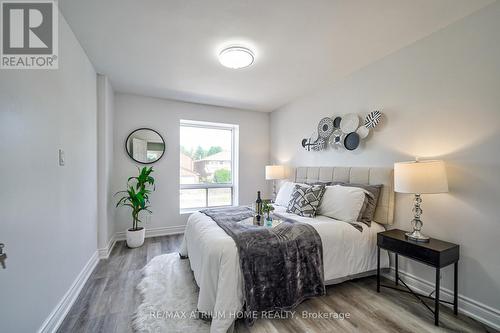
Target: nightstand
(435,253)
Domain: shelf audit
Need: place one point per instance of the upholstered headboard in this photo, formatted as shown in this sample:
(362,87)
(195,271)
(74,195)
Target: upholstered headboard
(384,214)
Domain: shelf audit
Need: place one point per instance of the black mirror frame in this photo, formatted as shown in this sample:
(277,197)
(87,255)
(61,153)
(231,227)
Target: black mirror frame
(149,129)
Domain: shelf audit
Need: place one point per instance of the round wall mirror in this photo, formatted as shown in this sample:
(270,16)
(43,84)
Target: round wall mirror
(145,145)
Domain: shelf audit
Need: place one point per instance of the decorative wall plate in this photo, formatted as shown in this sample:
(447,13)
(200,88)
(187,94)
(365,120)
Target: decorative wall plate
(336,139)
(325,128)
(349,123)
(320,144)
(308,144)
(336,122)
(351,141)
(363,131)
(372,119)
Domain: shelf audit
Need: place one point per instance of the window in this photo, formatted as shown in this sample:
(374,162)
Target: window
(208,165)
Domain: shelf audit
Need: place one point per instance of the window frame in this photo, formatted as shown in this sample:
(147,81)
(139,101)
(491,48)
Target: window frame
(234,128)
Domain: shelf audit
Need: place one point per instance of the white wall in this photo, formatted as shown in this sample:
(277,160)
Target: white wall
(105,142)
(48,213)
(132,112)
(441,99)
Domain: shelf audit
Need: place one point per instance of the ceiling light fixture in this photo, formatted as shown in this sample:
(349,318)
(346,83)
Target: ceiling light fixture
(236,57)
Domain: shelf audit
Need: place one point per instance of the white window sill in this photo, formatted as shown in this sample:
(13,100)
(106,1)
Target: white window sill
(188,211)
(194,210)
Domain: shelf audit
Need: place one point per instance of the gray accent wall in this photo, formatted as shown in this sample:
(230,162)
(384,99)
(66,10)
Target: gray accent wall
(441,99)
(48,213)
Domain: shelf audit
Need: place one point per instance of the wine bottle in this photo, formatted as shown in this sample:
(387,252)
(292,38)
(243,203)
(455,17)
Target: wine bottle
(258,207)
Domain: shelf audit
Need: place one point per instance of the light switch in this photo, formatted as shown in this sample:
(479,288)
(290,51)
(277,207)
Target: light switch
(62,157)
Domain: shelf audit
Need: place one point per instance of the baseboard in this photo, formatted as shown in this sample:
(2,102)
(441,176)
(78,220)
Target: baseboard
(474,309)
(106,251)
(155,232)
(56,317)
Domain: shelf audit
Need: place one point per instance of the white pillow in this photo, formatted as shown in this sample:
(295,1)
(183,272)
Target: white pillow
(342,203)
(285,194)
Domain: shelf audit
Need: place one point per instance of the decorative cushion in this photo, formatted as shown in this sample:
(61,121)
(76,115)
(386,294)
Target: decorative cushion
(305,200)
(285,193)
(371,200)
(343,203)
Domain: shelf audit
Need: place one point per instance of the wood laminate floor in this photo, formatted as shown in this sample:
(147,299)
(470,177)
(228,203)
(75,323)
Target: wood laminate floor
(109,299)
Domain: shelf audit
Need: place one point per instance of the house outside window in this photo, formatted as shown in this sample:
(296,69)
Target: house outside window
(208,165)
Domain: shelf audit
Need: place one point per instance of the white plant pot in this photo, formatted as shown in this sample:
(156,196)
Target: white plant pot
(135,238)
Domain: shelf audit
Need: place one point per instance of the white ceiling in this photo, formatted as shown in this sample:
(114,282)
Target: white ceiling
(168,48)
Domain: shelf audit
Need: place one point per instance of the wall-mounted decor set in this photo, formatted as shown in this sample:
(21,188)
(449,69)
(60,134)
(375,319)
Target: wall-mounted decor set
(341,132)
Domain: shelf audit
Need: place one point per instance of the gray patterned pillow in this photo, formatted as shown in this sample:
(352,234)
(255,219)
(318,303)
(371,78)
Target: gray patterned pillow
(305,200)
(368,211)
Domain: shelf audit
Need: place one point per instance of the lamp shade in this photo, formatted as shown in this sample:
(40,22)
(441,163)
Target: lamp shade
(420,177)
(275,172)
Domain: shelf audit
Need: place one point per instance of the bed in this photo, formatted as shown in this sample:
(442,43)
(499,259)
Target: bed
(347,253)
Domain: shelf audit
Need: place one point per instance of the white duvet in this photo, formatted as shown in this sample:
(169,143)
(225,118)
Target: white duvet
(215,263)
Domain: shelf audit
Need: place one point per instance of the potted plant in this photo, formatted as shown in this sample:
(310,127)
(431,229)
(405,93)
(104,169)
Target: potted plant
(137,197)
(267,208)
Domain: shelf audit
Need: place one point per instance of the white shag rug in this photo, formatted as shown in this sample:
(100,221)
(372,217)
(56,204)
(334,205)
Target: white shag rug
(169,298)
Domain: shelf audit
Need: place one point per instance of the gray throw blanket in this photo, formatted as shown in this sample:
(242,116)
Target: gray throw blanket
(281,266)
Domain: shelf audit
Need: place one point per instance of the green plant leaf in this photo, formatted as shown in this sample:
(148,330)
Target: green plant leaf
(137,193)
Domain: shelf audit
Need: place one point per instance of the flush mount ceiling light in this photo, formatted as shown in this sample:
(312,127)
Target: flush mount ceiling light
(236,57)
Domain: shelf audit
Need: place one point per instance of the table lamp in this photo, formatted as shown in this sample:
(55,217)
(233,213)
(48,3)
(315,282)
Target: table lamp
(275,172)
(419,177)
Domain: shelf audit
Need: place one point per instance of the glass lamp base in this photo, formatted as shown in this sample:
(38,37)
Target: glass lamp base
(417,236)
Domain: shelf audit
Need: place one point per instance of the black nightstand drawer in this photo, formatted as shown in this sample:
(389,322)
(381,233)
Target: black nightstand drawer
(408,250)
(435,253)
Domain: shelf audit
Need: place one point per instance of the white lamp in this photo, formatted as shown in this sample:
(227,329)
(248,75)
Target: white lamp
(274,172)
(419,177)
